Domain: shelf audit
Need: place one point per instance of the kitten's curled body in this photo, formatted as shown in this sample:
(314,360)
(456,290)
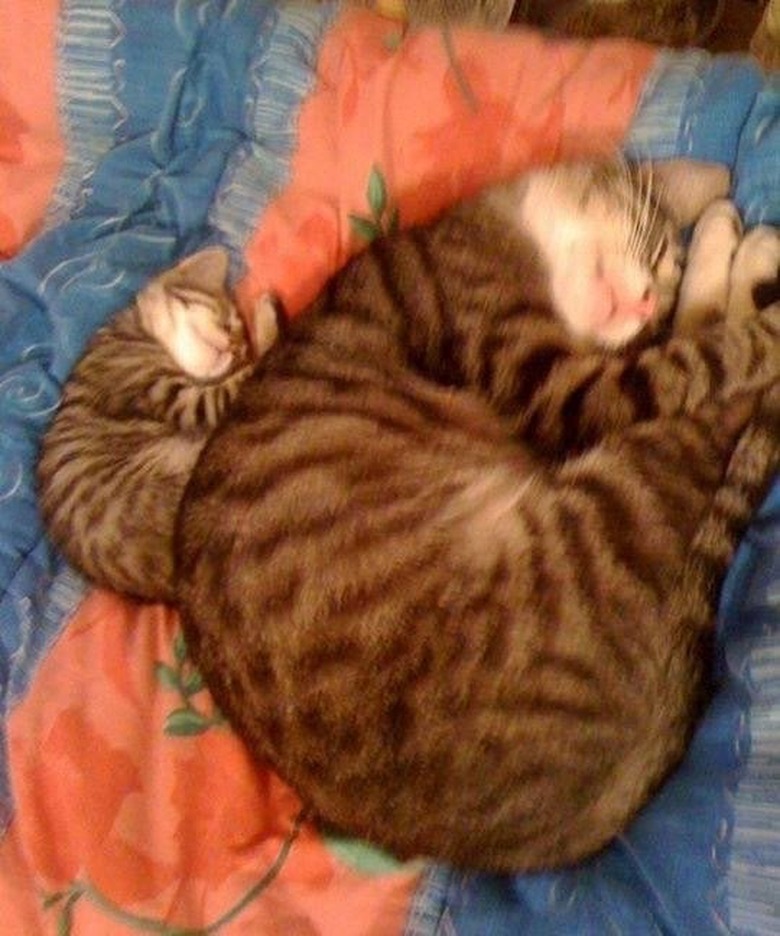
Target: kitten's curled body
(132,422)
(450,634)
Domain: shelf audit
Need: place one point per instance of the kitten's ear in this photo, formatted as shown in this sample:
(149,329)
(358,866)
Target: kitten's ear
(687,186)
(205,271)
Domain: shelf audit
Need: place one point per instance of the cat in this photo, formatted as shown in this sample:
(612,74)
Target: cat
(450,561)
(133,418)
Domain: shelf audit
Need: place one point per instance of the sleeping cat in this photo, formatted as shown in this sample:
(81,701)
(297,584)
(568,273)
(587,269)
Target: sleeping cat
(345,543)
(135,413)
(450,562)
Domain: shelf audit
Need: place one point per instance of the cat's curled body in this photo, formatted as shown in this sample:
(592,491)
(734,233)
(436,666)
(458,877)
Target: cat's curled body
(449,631)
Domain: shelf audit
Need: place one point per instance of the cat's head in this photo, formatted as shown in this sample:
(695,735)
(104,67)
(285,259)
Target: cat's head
(610,246)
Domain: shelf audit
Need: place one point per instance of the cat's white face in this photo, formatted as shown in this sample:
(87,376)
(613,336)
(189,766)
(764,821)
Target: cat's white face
(606,282)
(613,258)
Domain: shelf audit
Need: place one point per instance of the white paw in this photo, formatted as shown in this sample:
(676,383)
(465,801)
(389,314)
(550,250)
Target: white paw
(757,261)
(704,290)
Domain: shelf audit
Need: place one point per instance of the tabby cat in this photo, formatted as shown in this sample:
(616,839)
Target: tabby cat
(437,389)
(133,418)
(450,561)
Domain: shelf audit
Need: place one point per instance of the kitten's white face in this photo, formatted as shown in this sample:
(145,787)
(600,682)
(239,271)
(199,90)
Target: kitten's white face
(188,311)
(612,256)
(197,329)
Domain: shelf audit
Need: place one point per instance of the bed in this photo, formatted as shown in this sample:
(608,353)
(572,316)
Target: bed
(131,133)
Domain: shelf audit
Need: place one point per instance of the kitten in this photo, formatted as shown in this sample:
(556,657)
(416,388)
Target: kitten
(450,561)
(133,418)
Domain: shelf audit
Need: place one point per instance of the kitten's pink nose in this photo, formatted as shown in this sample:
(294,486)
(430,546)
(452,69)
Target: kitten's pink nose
(643,308)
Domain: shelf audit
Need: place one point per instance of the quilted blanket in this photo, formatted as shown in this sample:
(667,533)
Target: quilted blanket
(133,132)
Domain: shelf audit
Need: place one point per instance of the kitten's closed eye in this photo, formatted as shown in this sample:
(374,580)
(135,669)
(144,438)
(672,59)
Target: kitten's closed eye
(192,326)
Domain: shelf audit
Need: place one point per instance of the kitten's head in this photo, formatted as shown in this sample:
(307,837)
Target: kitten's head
(611,252)
(190,312)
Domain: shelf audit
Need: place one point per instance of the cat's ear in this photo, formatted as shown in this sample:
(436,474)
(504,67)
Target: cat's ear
(687,186)
(205,271)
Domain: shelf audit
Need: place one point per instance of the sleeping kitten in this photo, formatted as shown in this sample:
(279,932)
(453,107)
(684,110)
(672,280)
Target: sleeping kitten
(450,562)
(134,416)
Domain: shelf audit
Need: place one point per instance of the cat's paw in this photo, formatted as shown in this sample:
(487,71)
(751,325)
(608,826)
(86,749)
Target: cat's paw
(705,287)
(756,269)
(266,324)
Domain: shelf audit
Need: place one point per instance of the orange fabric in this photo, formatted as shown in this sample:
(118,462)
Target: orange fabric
(31,145)
(137,824)
(439,124)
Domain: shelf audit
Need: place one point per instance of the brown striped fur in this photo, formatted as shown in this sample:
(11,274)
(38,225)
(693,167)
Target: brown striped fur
(452,568)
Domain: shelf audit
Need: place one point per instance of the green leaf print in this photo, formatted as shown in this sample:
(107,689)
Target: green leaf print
(180,647)
(376,194)
(166,676)
(193,683)
(364,228)
(383,218)
(184,722)
(181,677)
